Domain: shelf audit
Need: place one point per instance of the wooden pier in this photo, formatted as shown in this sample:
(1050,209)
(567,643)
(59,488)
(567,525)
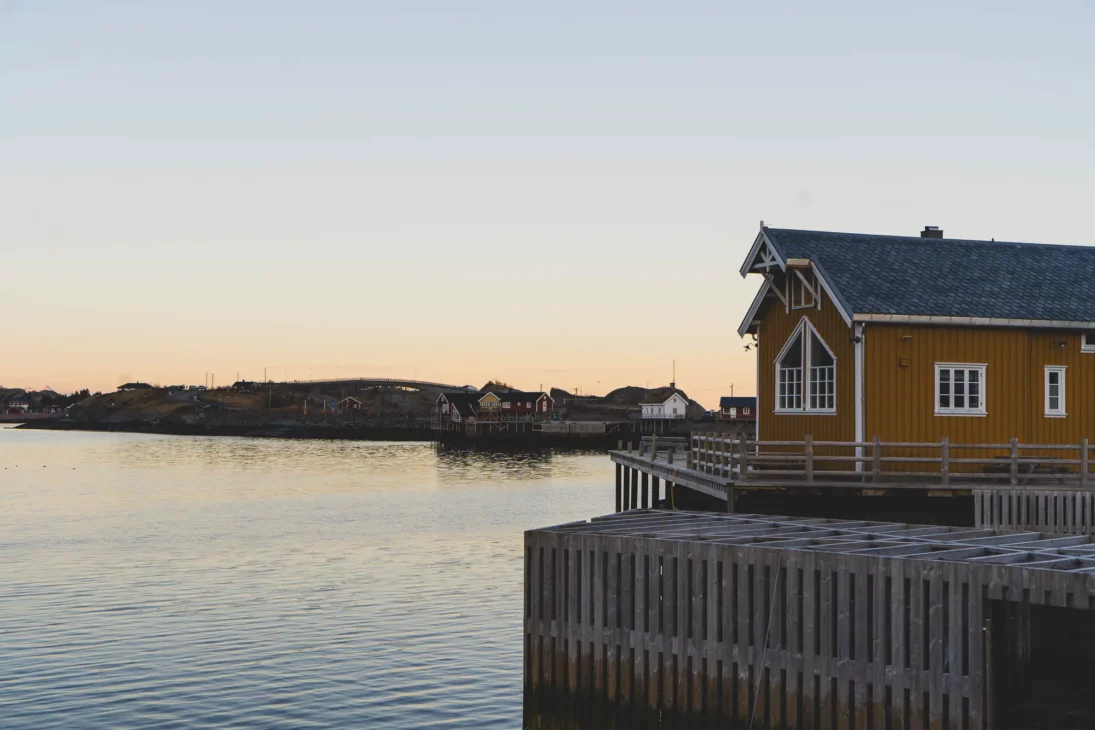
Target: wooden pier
(789,622)
(1008,486)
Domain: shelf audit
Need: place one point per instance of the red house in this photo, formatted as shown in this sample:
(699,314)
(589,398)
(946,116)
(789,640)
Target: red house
(742,408)
(524,406)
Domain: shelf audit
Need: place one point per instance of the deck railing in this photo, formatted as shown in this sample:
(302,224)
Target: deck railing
(878,461)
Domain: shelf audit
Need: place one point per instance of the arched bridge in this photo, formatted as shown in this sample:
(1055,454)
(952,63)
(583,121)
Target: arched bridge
(377,383)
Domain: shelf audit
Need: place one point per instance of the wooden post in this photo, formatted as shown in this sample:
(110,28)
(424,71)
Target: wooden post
(990,675)
(876,458)
(722,456)
(654,447)
(690,457)
(620,445)
(743,453)
(655,488)
(945,460)
(808,450)
(646,491)
(708,457)
(627,486)
(630,446)
(669,456)
(1014,461)
(1083,462)
(619,487)
(635,489)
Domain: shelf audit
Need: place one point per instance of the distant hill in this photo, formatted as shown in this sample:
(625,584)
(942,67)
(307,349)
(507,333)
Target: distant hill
(497,387)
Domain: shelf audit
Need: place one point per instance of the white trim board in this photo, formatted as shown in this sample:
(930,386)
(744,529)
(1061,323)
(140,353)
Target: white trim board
(971,321)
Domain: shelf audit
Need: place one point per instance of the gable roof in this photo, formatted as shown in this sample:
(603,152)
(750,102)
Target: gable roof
(515,396)
(957,281)
(460,398)
(465,408)
(675,393)
(739,401)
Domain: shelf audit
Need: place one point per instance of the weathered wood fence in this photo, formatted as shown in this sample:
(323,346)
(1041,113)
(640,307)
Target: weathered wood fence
(785,622)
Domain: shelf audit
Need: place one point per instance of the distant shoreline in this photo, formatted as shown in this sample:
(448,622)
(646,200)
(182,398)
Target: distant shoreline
(294,431)
(519,441)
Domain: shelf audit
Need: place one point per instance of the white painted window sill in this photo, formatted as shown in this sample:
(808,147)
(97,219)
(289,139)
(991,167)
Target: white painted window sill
(973,414)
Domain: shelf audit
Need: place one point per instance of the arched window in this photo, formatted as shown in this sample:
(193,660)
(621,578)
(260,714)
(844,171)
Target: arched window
(806,353)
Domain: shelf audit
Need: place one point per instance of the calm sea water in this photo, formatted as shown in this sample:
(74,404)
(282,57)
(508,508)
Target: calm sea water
(159,581)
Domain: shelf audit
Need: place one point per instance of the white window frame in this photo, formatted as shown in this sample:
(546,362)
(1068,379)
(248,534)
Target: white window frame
(1060,411)
(1087,345)
(981,409)
(806,329)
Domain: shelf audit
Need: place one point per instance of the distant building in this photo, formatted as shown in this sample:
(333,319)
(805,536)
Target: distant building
(675,406)
(246,386)
(350,404)
(522,406)
(489,407)
(463,407)
(740,408)
(133,386)
(18,405)
(457,407)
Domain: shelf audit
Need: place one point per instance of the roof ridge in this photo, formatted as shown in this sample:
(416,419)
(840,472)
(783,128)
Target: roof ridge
(920,239)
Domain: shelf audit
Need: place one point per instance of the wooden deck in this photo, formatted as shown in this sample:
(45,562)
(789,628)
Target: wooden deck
(792,622)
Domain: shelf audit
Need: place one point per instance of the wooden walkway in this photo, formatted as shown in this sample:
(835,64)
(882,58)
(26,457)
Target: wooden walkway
(788,622)
(1049,494)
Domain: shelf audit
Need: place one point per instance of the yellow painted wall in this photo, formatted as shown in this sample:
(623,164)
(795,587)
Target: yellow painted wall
(901,399)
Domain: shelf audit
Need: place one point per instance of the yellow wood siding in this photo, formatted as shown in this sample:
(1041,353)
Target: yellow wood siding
(776,326)
(900,384)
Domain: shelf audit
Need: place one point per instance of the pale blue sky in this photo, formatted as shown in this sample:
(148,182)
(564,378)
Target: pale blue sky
(218,186)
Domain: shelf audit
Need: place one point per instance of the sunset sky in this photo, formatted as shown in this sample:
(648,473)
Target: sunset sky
(548,194)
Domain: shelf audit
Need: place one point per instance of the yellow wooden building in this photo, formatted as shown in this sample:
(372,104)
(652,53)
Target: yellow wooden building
(916,338)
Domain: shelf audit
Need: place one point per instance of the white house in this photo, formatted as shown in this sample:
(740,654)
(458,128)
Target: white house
(675,406)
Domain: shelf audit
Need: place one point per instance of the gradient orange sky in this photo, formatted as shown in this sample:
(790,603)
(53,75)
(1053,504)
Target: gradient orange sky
(492,191)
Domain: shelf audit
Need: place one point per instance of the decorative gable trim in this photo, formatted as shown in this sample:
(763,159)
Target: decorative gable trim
(763,255)
(750,316)
(834,297)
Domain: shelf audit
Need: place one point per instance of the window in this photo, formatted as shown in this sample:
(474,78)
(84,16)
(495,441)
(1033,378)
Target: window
(790,377)
(1088,342)
(822,376)
(806,353)
(505,405)
(959,389)
(1055,391)
(801,296)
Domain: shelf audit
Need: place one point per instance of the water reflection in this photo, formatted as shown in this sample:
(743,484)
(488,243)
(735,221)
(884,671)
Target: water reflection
(152,581)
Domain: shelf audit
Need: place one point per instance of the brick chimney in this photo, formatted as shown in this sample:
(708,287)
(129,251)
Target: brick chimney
(931,232)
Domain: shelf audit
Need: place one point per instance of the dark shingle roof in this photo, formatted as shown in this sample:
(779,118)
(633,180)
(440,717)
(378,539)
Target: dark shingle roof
(740,401)
(515,396)
(909,275)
